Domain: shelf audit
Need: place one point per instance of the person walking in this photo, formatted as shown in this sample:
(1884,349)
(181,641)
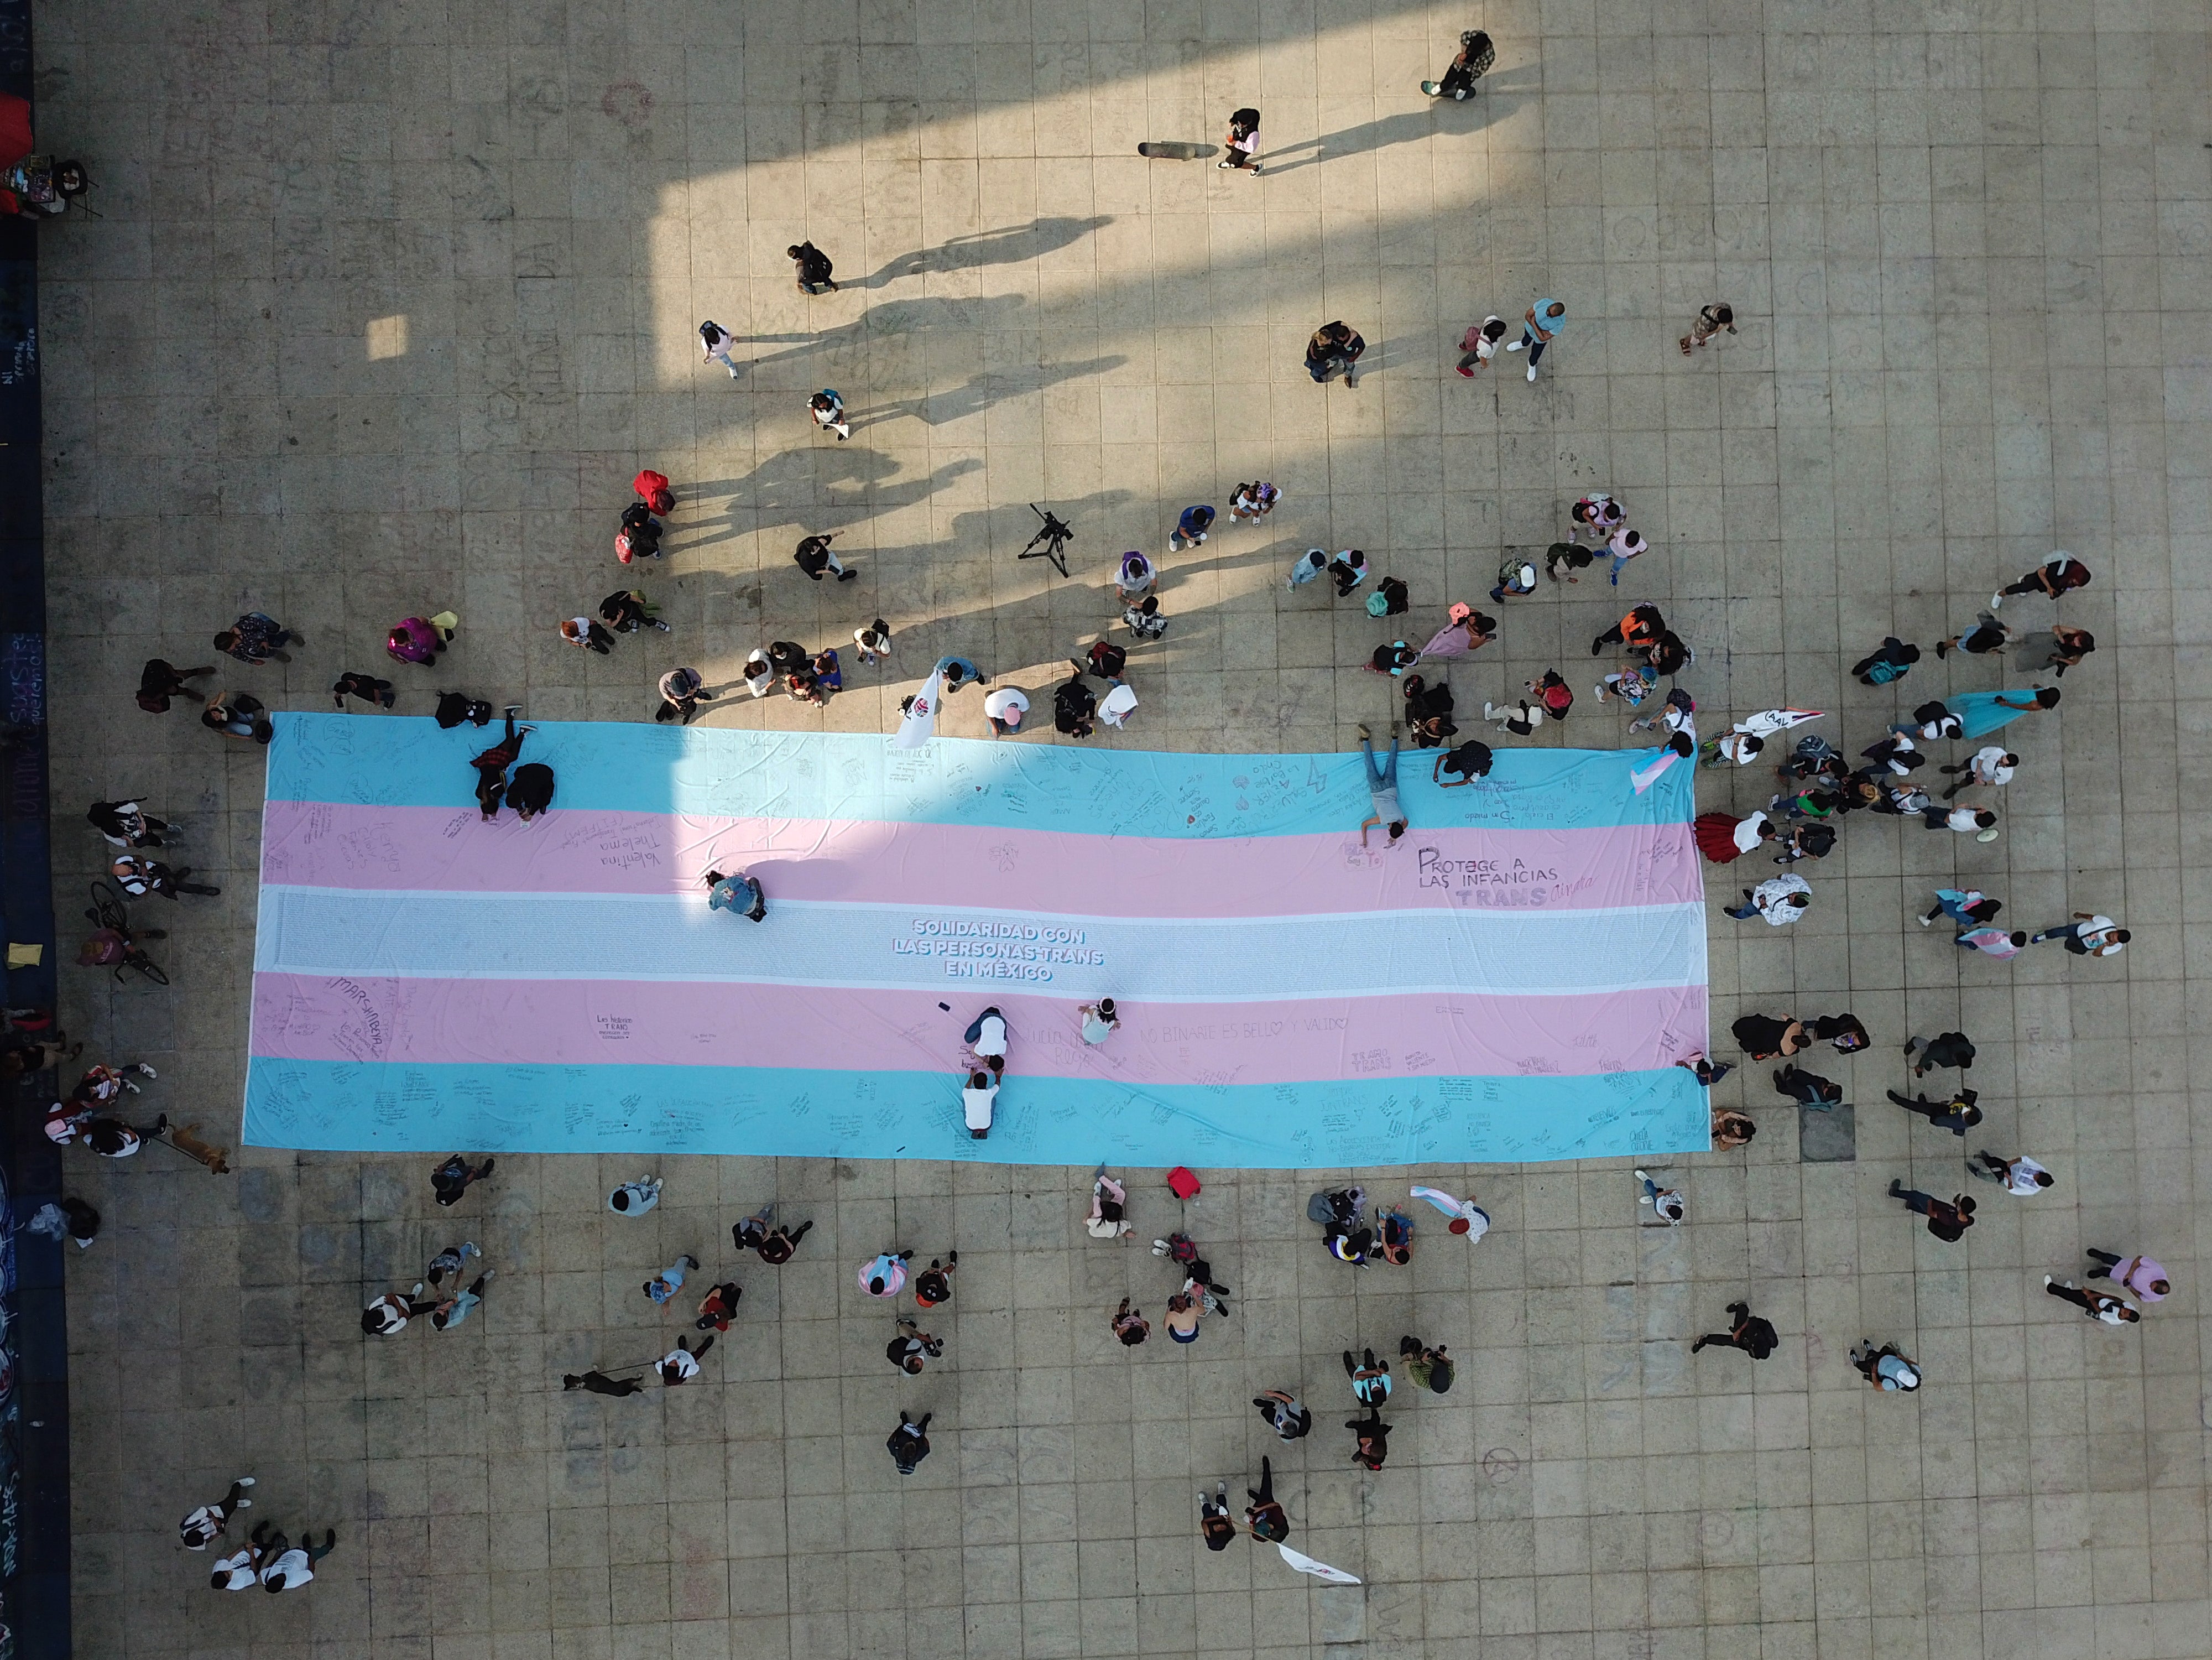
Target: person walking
(1474,59)
(2019,1175)
(774,1242)
(933,1285)
(2057,576)
(1808,1089)
(240,1571)
(1349,568)
(1130,1327)
(813,555)
(811,267)
(634,1198)
(1781,900)
(681,1364)
(909,1444)
(1945,1048)
(1243,143)
(1626,544)
(376,694)
(2098,1306)
(1469,1219)
(1978,713)
(1370,1378)
(625,610)
(1480,345)
(1890,661)
(1283,1414)
(1145,620)
(1215,1524)
(716,341)
(2087,935)
(290,1567)
(1709,321)
(874,643)
(1265,1515)
(884,1274)
(255,638)
(664,1285)
(1958,1115)
(1382,790)
(1968,907)
(587,634)
(2058,648)
(1887,1368)
(1988,635)
(828,410)
(1769,1036)
(204,1526)
(160,681)
(1753,1334)
(912,1346)
(1334,349)
(138,875)
(1539,328)
(1991,766)
(1517,578)
(1947,1220)
(387,1315)
(454,1178)
(1666,1202)
(2142,1275)
(1992,942)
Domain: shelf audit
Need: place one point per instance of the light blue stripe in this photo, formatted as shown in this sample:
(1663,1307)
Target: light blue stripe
(569,936)
(607,766)
(765,1112)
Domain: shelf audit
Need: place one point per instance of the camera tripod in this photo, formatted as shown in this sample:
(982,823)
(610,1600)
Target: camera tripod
(1053,534)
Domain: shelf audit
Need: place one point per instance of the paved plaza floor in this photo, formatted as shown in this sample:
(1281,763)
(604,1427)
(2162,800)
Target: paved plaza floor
(387,303)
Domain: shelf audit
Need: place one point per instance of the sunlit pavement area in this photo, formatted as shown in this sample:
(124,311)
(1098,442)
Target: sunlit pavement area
(387,305)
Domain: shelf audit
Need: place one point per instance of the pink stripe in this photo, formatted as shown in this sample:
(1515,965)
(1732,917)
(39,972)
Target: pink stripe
(323,844)
(694,1024)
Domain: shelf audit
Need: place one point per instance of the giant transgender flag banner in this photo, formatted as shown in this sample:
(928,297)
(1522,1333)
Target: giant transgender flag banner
(1513,980)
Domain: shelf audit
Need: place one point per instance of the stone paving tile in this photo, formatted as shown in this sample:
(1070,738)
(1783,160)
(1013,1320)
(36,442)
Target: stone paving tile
(1968,250)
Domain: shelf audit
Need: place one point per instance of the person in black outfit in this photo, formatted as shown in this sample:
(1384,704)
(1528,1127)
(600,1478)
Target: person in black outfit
(909,1443)
(1072,709)
(1945,1048)
(451,1179)
(1958,1115)
(1215,1525)
(1270,1523)
(813,268)
(625,611)
(787,657)
(1105,659)
(367,687)
(126,823)
(159,681)
(1810,1089)
(531,791)
(1372,1444)
(1948,1222)
(491,766)
(1763,1036)
(1841,1032)
(813,556)
(453,707)
(599,1384)
(1892,660)
(1469,760)
(1753,1334)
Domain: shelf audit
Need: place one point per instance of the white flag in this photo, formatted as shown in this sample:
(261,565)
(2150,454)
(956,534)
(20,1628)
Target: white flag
(1305,1563)
(919,724)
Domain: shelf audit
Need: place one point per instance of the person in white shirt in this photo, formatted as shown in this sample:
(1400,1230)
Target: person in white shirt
(979,1102)
(1741,747)
(2021,1175)
(2087,935)
(2100,1306)
(716,341)
(205,1525)
(1781,900)
(1977,821)
(290,1567)
(1992,766)
(1480,345)
(1666,1202)
(1134,578)
(1005,709)
(240,1571)
(760,673)
(681,1364)
(1100,1022)
(1468,1218)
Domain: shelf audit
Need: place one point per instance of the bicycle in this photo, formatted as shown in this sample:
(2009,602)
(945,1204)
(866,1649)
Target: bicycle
(113,944)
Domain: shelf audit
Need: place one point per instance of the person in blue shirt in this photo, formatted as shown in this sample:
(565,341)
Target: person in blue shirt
(738,893)
(1539,329)
(1190,529)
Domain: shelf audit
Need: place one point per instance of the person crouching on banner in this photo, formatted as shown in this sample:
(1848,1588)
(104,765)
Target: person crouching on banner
(986,1044)
(491,766)
(739,893)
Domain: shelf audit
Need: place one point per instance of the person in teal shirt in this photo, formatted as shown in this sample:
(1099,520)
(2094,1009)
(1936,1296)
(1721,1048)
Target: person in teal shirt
(1539,329)
(1981,713)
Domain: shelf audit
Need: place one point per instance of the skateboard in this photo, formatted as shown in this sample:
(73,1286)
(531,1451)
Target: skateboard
(1171,151)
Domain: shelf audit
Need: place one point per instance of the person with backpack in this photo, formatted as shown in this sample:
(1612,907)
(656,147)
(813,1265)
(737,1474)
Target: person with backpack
(1892,661)
(1243,143)
(1252,502)
(717,341)
(1284,1414)
(1753,1334)
(1391,597)
(1349,567)
(829,411)
(813,268)
(1476,55)
(1516,579)
(638,537)
(2058,576)
(652,488)
(1480,345)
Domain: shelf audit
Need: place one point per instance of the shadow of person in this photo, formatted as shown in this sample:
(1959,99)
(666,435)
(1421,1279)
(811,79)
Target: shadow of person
(888,327)
(993,387)
(1442,118)
(1009,246)
(821,489)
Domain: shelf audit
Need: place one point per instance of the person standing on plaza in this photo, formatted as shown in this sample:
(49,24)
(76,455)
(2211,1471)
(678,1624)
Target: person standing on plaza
(2058,576)
(2098,1306)
(1945,1048)
(1191,528)
(2058,648)
(716,341)
(1781,900)
(1270,1523)
(1890,661)
(1284,1414)
(291,1566)
(873,642)
(2140,1274)
(2086,935)
(828,410)
(1215,1524)
(1334,349)
(681,691)
(376,694)
(1476,55)
(454,1178)
(1992,766)
(2018,1175)
(1349,567)
(812,269)
(681,1364)
(1709,321)
(160,681)
(1988,635)
(909,1443)
(1539,328)
(884,1274)
(631,1198)
(1947,1220)
(813,555)
(1370,1440)
(1753,1334)
(908,1350)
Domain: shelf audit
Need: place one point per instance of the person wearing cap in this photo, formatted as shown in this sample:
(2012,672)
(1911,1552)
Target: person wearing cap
(739,894)
(1004,709)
